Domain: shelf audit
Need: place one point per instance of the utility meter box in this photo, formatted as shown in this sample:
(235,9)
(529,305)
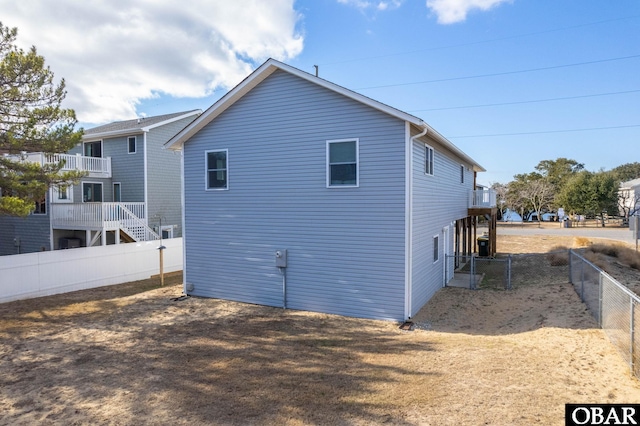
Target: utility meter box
(281,258)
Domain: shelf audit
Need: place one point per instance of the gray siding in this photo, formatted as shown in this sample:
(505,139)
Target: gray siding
(346,246)
(163,174)
(438,200)
(32,232)
(128,169)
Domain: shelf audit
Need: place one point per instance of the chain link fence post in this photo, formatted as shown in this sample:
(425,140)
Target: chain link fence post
(582,281)
(509,272)
(472,276)
(570,269)
(631,335)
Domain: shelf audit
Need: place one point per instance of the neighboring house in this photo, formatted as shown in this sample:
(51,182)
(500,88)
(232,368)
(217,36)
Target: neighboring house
(131,191)
(303,194)
(629,198)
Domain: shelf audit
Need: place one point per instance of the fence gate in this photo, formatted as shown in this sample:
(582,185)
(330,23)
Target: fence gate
(478,272)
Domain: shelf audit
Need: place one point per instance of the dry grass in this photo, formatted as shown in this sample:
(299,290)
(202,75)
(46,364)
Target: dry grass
(131,355)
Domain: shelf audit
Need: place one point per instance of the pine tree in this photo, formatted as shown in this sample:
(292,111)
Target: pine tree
(31,120)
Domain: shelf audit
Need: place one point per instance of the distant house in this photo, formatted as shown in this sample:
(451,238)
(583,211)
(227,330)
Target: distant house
(304,194)
(132,184)
(629,198)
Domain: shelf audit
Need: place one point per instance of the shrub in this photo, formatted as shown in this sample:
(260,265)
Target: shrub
(581,242)
(558,256)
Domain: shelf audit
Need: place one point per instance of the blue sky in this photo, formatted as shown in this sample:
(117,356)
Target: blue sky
(511,83)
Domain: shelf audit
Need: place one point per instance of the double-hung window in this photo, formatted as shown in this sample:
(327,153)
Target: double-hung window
(342,163)
(217,170)
(131,145)
(428,160)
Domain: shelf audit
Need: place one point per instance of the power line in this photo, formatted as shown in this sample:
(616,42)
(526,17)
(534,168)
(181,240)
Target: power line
(527,102)
(501,73)
(472,43)
(543,132)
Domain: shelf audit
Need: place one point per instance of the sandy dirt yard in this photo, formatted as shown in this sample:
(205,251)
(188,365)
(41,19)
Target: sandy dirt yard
(131,354)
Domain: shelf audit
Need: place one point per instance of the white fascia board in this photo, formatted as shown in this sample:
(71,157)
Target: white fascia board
(255,78)
(221,105)
(137,130)
(115,133)
(454,149)
(268,68)
(171,120)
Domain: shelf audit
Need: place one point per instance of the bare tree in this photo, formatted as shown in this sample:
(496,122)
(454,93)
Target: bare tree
(628,202)
(539,194)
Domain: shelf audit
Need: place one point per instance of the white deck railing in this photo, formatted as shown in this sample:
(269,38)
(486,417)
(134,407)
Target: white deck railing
(482,198)
(129,217)
(95,166)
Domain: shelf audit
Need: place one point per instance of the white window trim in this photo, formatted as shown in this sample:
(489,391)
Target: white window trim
(46,208)
(428,148)
(168,228)
(328,168)
(206,170)
(463,170)
(113,191)
(101,147)
(101,190)
(135,144)
(436,238)
(55,195)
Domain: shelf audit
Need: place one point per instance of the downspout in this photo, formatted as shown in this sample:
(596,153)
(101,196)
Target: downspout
(409,217)
(185,290)
(146,197)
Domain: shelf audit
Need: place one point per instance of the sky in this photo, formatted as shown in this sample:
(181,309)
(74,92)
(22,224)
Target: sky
(510,82)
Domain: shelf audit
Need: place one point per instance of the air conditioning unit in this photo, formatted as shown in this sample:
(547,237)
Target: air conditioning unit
(68,243)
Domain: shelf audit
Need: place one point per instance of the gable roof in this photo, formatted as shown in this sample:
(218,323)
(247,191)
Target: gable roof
(268,68)
(137,125)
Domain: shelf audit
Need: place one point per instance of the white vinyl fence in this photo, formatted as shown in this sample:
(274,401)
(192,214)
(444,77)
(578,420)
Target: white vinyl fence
(25,276)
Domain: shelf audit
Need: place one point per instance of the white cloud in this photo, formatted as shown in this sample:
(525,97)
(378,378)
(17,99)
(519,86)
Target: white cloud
(115,53)
(451,11)
(380,5)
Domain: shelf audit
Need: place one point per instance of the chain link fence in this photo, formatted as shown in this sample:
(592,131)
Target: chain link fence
(509,271)
(614,306)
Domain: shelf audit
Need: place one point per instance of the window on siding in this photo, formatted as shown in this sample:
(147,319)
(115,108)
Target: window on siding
(93,149)
(117,192)
(62,194)
(342,163)
(217,170)
(167,231)
(428,160)
(91,192)
(41,206)
(461,174)
(436,248)
(131,142)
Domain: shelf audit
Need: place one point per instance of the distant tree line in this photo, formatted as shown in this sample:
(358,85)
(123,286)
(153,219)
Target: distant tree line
(564,183)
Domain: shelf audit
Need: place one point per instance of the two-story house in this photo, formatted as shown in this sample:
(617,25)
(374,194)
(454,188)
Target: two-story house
(629,198)
(131,190)
(303,194)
